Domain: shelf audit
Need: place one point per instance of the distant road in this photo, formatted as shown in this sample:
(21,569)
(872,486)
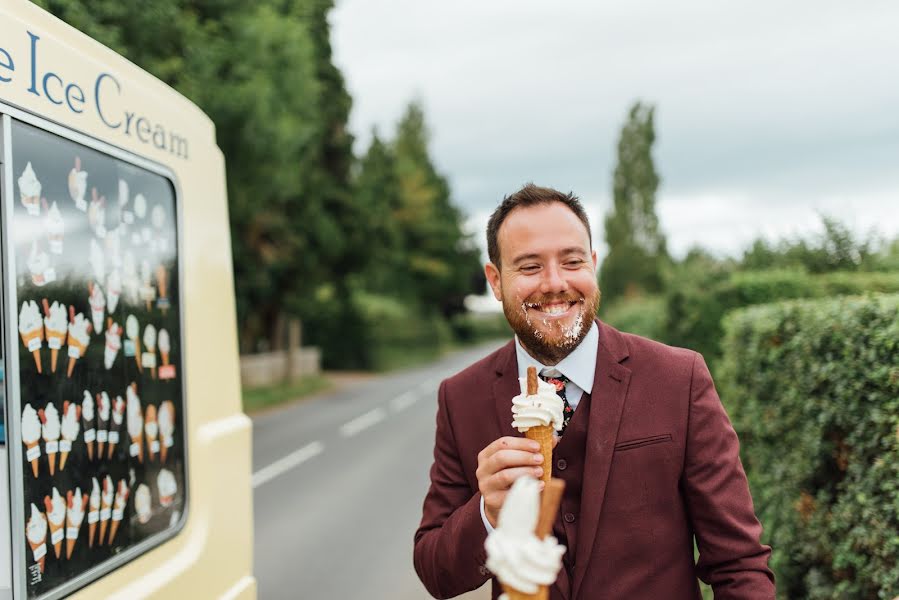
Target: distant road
(339,481)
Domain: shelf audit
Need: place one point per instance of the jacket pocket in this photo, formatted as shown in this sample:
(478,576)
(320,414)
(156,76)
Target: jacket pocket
(640,442)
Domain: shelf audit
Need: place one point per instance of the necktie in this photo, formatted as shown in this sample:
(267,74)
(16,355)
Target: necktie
(555,377)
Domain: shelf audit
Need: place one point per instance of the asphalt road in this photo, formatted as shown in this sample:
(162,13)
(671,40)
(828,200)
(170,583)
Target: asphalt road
(338,484)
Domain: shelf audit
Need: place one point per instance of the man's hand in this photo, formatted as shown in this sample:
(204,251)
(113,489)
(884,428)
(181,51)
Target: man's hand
(500,464)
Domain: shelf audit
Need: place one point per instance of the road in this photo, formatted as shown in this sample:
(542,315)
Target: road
(338,484)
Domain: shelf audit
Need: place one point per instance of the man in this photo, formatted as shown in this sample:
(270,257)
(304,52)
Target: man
(649,456)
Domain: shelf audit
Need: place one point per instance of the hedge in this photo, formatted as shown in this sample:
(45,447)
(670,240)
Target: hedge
(812,388)
(695,306)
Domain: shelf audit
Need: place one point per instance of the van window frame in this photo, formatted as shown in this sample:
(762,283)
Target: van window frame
(13,406)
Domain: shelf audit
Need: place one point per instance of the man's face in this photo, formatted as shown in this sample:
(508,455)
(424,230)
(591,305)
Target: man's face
(547,279)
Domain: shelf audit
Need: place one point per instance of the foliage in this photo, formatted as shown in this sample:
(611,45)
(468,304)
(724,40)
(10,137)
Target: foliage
(812,388)
(257,399)
(637,252)
(642,315)
(469,327)
(698,299)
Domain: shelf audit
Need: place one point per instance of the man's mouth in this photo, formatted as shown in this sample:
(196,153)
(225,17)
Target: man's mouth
(553,309)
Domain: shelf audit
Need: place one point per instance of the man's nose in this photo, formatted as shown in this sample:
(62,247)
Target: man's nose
(553,280)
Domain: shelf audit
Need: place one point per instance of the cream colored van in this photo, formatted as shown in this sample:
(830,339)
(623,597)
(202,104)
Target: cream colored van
(126,452)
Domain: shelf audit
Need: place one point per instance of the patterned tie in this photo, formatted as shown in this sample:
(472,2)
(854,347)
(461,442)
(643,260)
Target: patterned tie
(555,377)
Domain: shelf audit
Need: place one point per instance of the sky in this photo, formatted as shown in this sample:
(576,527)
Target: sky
(768,114)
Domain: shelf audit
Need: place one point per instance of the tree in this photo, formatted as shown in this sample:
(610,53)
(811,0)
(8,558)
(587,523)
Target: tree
(637,251)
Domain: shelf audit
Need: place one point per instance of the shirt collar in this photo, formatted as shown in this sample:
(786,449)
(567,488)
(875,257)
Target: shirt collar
(579,366)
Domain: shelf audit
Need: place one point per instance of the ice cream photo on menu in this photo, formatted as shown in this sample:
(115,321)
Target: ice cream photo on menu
(56,516)
(77,503)
(130,280)
(97,260)
(79,337)
(118,417)
(118,509)
(162,283)
(97,300)
(93,515)
(50,431)
(151,429)
(166,419)
(142,504)
(147,291)
(31,437)
(148,359)
(167,487)
(96,214)
(71,417)
(56,328)
(31,328)
(36,533)
(104,412)
(132,330)
(106,497)
(521,553)
(39,266)
(113,290)
(135,423)
(77,183)
(113,343)
(30,191)
(55,228)
(87,420)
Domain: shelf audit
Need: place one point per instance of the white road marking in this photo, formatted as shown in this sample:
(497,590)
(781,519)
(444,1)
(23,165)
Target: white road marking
(363,422)
(281,466)
(404,401)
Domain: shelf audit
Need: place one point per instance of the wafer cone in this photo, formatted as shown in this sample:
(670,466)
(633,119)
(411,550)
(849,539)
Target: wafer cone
(51,458)
(54,354)
(550,500)
(103,523)
(140,368)
(63,456)
(90,451)
(91,528)
(70,546)
(113,528)
(27,338)
(139,440)
(57,547)
(34,462)
(42,560)
(543,434)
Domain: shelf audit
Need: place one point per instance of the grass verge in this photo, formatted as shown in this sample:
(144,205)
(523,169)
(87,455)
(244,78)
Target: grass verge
(257,399)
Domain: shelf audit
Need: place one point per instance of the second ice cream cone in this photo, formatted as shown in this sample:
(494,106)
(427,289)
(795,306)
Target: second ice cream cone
(543,435)
(29,449)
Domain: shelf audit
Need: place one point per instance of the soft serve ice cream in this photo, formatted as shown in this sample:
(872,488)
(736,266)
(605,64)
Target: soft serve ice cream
(56,327)
(30,191)
(31,437)
(55,227)
(518,558)
(545,408)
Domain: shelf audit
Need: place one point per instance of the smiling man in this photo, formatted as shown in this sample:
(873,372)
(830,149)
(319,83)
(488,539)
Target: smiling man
(649,457)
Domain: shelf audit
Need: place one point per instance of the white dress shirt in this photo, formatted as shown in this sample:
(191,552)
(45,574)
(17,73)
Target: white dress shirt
(579,367)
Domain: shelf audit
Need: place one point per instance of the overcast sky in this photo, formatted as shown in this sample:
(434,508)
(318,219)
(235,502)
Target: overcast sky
(767,113)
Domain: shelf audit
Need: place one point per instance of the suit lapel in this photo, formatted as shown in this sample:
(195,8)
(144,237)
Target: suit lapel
(607,399)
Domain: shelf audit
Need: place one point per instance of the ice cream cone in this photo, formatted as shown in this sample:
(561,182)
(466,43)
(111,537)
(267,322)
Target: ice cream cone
(30,339)
(63,456)
(542,434)
(91,530)
(57,532)
(165,358)
(138,440)
(113,528)
(34,461)
(54,354)
(76,502)
(513,594)
(137,355)
(70,546)
(90,451)
(51,458)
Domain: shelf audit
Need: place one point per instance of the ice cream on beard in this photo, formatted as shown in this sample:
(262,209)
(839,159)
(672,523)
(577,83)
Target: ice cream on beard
(31,328)
(50,431)
(56,514)
(78,185)
(30,191)
(77,503)
(55,227)
(36,533)
(56,327)
(31,437)
(93,516)
(516,555)
(87,419)
(71,414)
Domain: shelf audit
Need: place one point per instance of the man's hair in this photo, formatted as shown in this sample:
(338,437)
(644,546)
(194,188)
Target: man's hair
(529,195)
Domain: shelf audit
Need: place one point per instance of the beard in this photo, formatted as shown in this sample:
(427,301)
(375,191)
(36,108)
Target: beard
(549,340)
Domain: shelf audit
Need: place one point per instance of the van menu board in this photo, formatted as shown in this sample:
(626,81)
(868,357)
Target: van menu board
(101,412)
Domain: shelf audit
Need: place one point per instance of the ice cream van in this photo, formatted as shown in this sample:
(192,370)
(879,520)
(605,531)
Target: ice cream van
(125,451)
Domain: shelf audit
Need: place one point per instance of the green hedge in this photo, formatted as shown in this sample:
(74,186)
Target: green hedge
(695,305)
(813,389)
(642,315)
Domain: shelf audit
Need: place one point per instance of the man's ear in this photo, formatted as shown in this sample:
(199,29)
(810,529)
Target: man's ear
(493,278)
(593,254)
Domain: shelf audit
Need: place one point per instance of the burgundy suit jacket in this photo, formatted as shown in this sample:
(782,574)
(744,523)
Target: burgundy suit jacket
(661,466)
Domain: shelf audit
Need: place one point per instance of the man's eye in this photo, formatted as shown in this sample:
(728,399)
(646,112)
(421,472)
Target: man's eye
(574,263)
(530,268)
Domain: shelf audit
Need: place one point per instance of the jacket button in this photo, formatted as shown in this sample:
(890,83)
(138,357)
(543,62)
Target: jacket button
(561,464)
(569,518)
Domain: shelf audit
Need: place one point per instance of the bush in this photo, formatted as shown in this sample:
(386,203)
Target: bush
(471,328)
(642,315)
(695,305)
(813,389)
